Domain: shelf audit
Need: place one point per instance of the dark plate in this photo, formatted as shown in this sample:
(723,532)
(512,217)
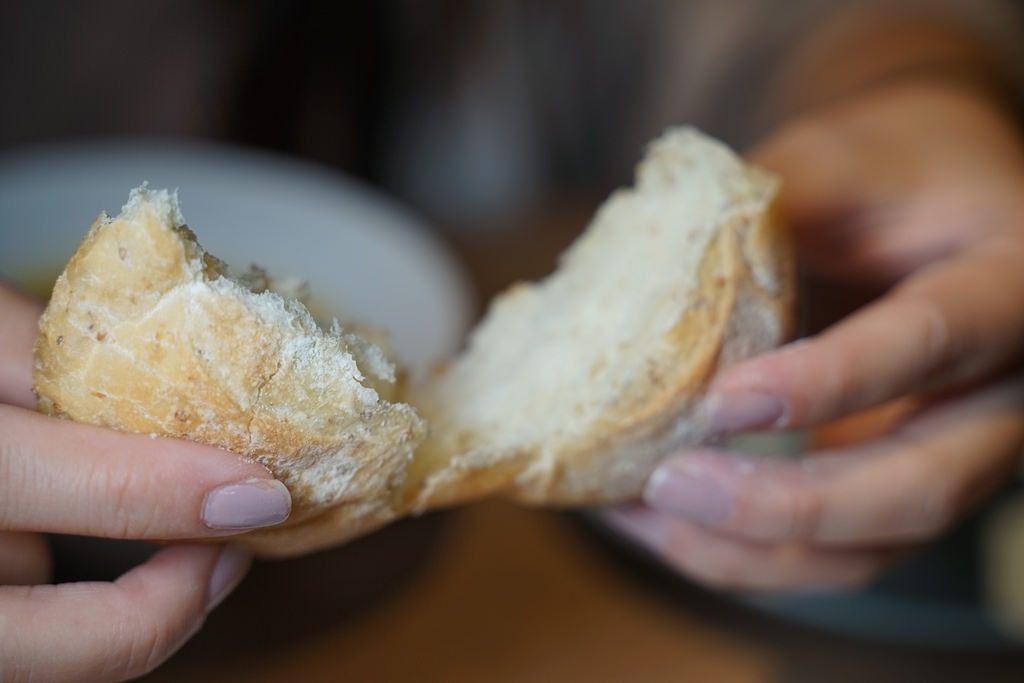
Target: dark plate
(935,598)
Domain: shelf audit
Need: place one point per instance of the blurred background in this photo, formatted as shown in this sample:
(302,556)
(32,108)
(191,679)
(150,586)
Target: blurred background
(498,126)
(467,110)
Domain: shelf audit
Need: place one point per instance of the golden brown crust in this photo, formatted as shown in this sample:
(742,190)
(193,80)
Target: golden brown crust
(741,306)
(743,320)
(142,335)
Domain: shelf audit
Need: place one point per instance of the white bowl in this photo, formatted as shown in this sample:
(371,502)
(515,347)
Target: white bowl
(363,255)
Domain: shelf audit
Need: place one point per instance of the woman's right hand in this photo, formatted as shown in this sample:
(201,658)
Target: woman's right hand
(61,477)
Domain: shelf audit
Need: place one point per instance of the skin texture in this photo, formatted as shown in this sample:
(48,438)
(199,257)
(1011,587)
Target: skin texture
(912,189)
(56,476)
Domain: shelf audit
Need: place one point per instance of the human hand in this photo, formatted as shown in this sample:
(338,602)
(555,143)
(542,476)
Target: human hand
(57,476)
(915,190)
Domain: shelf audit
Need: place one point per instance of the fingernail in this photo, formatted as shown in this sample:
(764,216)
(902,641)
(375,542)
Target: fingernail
(677,491)
(250,504)
(231,566)
(740,412)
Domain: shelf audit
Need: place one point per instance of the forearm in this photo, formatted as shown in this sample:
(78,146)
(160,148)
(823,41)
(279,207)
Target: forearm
(867,44)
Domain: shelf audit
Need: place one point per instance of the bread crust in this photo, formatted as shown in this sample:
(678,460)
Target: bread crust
(146,333)
(742,306)
(749,319)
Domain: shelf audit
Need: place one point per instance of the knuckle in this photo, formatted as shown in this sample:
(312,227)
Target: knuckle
(835,386)
(805,508)
(9,476)
(116,491)
(937,335)
(933,511)
(148,638)
(146,651)
(145,648)
(788,511)
(937,345)
(16,475)
(933,497)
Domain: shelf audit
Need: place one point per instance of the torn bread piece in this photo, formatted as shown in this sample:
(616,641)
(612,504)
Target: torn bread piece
(146,332)
(570,391)
(572,388)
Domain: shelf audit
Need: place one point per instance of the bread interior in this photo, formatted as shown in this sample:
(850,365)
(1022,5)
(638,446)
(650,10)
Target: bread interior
(612,335)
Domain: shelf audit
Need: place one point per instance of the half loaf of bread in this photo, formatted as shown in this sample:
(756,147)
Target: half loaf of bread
(570,390)
(145,332)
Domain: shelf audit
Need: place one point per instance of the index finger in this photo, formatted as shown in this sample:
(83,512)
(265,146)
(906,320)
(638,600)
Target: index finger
(956,321)
(59,476)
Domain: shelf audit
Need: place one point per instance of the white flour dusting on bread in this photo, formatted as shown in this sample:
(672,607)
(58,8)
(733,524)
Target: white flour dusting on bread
(570,391)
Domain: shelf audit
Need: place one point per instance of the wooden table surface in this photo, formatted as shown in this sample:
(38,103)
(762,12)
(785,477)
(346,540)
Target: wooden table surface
(509,595)
(502,593)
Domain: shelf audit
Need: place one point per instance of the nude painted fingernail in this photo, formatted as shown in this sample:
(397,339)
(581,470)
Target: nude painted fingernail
(676,491)
(741,412)
(231,567)
(249,504)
